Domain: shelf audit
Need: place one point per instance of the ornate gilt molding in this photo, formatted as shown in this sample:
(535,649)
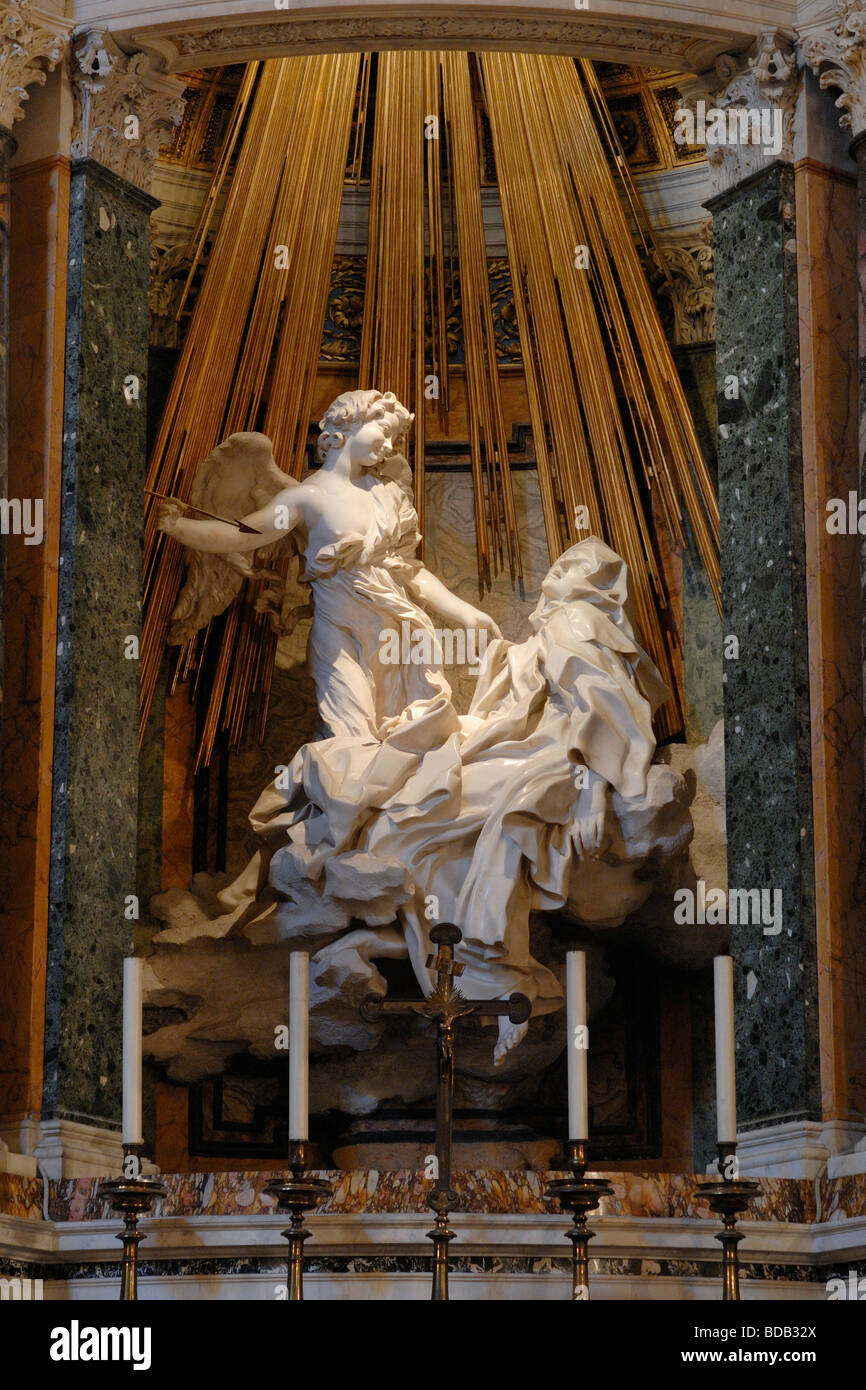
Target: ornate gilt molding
(31,46)
(838,59)
(124,111)
(766,87)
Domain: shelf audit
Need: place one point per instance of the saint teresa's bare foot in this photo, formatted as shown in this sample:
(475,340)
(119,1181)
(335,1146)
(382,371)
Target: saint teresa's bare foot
(510,1034)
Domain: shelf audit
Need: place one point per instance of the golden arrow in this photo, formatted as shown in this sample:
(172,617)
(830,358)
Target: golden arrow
(241,525)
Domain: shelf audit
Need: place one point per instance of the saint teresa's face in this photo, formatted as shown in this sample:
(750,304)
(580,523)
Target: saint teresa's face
(559,584)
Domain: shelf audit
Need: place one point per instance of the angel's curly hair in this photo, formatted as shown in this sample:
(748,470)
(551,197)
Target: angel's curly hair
(353,406)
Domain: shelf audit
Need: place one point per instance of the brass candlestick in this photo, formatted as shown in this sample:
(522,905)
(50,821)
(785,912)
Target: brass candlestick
(726,1198)
(579,1195)
(297,1194)
(443,1007)
(132,1196)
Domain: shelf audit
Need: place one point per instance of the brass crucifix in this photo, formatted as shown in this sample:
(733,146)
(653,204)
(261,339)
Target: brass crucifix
(443,1007)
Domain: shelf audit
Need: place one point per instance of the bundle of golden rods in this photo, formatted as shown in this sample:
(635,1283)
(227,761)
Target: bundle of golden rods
(395,297)
(602,385)
(495,519)
(251,353)
(615,443)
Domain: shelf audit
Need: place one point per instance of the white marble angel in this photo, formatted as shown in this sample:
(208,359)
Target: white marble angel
(407,812)
(354,524)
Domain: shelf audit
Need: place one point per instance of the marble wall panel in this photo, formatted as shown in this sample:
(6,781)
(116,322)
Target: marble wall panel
(40,222)
(449,550)
(483,1191)
(7,149)
(21,1196)
(827,284)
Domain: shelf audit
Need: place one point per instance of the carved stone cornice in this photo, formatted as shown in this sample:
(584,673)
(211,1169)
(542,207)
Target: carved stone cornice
(690,287)
(764,82)
(124,112)
(676,46)
(838,59)
(31,46)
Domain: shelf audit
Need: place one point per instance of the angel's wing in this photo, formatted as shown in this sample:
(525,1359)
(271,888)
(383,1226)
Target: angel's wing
(239,476)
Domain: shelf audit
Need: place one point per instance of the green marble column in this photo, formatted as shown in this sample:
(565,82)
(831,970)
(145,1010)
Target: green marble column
(767,713)
(95,792)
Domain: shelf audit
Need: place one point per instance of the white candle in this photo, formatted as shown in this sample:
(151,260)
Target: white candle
(578,1042)
(132,995)
(726,1085)
(299,1044)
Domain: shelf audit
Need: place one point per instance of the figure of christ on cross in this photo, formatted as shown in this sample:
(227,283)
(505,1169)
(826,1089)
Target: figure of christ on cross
(443,1007)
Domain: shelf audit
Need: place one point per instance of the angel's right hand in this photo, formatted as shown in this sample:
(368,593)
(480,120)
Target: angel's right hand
(168,515)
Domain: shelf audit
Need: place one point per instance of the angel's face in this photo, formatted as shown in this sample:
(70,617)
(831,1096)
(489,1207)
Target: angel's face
(369,440)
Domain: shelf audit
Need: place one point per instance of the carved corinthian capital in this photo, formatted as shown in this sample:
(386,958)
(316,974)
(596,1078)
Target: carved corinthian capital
(744,111)
(838,59)
(124,112)
(687,261)
(31,45)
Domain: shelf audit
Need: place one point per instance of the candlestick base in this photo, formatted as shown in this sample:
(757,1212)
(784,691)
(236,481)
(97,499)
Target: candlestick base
(441,1200)
(132,1196)
(726,1199)
(579,1195)
(297,1194)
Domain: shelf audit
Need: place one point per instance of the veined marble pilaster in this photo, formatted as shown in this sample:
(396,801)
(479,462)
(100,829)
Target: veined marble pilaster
(837,55)
(39,227)
(783,338)
(121,118)
(31,44)
(750,104)
(7,149)
(780,324)
(826,234)
(767,713)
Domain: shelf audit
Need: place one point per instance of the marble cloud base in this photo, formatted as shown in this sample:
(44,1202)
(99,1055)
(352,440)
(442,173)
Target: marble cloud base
(217,1236)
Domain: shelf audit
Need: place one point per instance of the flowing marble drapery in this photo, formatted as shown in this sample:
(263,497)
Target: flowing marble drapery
(411,812)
